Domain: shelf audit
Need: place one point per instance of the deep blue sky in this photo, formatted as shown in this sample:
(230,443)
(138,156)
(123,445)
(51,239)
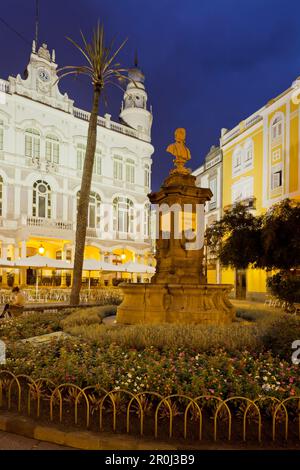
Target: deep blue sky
(208,63)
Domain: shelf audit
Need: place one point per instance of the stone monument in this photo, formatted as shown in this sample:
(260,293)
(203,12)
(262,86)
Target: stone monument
(178,292)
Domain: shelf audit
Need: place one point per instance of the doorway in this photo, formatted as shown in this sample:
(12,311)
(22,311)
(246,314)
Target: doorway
(240,284)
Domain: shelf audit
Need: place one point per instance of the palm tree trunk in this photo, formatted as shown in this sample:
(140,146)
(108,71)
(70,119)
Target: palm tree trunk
(83,204)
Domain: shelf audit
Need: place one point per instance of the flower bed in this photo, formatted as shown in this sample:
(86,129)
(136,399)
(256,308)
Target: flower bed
(192,360)
(182,371)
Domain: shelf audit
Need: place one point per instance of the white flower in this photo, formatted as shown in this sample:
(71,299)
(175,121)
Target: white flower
(265,378)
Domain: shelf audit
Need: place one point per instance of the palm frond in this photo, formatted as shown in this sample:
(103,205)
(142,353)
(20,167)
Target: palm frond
(80,49)
(101,66)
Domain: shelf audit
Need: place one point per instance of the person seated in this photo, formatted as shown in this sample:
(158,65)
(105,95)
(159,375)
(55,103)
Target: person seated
(15,307)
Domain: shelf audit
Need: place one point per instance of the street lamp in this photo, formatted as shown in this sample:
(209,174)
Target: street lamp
(41,250)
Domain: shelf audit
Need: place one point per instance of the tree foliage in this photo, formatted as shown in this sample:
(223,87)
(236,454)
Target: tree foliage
(235,239)
(270,241)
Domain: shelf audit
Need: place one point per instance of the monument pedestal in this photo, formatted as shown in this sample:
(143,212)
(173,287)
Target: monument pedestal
(175,303)
(178,292)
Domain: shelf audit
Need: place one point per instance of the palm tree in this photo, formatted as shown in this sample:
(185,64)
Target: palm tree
(102,69)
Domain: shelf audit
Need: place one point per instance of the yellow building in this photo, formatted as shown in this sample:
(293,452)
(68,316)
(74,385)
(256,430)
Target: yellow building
(261,166)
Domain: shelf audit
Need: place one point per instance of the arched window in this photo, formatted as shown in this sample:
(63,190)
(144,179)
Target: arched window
(123,215)
(32,143)
(1,135)
(41,200)
(277,128)
(237,161)
(147,176)
(80,156)
(248,154)
(52,149)
(97,169)
(94,209)
(1,196)
(147,221)
(130,173)
(118,168)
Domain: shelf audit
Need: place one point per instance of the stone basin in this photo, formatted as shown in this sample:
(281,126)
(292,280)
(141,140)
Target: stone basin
(175,303)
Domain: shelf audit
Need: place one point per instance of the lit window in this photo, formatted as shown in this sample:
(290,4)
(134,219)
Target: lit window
(32,143)
(52,149)
(41,200)
(80,156)
(276,131)
(147,176)
(97,169)
(147,221)
(123,218)
(1,135)
(213,188)
(130,172)
(248,154)
(276,179)
(94,210)
(118,168)
(237,161)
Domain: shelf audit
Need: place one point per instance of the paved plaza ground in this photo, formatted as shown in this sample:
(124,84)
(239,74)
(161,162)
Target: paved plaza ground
(10,441)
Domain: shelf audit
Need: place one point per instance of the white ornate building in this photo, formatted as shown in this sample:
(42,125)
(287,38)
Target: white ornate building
(42,147)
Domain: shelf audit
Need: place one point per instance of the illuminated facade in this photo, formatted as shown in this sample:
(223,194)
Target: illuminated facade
(42,148)
(261,166)
(209,175)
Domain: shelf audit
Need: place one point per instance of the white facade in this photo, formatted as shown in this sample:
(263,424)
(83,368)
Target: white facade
(42,147)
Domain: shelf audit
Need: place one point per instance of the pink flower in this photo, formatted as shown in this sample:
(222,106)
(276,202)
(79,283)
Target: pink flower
(211,390)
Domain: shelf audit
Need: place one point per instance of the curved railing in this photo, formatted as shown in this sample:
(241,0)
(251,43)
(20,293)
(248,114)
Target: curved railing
(176,415)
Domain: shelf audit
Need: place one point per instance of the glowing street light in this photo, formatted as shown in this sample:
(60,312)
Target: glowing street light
(41,250)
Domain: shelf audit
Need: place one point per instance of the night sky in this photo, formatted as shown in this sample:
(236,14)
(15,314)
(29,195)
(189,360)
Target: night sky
(208,63)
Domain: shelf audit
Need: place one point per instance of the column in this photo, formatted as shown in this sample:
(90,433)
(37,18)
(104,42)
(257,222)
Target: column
(63,273)
(101,258)
(4,271)
(23,279)
(110,260)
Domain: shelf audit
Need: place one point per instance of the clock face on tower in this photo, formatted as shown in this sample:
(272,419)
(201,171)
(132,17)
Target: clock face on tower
(44,75)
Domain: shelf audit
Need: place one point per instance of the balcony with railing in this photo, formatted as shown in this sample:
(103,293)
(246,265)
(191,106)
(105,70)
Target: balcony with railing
(249,203)
(114,126)
(48,223)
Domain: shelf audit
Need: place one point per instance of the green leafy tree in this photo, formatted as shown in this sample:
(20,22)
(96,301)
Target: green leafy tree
(271,241)
(281,236)
(102,69)
(236,238)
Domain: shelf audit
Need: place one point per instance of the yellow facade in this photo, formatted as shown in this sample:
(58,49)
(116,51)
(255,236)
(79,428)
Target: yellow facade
(261,166)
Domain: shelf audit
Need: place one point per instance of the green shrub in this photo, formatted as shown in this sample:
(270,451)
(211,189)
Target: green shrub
(285,286)
(88,316)
(169,336)
(108,296)
(279,335)
(257,315)
(29,325)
